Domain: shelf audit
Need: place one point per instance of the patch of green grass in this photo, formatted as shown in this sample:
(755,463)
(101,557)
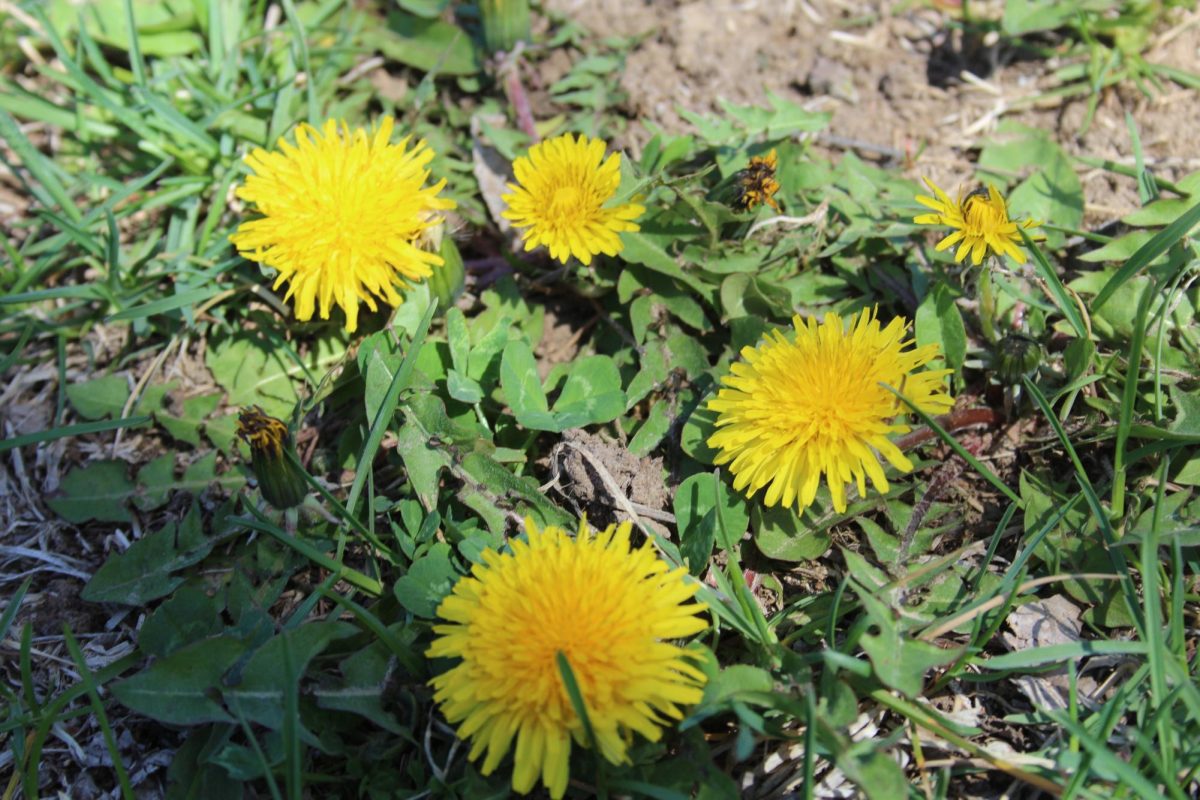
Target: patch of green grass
(290,646)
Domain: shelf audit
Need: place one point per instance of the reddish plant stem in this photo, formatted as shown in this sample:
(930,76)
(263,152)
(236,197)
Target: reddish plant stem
(968,418)
(519,97)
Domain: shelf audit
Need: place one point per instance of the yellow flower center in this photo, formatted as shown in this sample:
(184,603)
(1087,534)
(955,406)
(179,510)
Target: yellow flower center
(566,205)
(983,216)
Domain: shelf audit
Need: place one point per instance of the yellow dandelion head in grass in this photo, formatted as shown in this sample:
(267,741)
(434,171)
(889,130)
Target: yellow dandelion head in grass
(794,410)
(980,222)
(608,607)
(560,195)
(342,212)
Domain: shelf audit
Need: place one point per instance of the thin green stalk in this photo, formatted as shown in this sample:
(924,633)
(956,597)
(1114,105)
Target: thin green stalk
(88,682)
(1152,610)
(235,704)
(387,409)
(954,444)
(301,39)
(577,703)
(1115,554)
(745,597)
(1133,370)
(351,576)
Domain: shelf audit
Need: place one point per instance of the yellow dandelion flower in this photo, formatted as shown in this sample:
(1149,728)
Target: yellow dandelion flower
(793,411)
(606,606)
(341,215)
(756,184)
(560,195)
(980,222)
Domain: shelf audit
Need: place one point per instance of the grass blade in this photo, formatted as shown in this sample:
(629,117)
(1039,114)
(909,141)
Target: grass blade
(71,430)
(1064,300)
(572,687)
(1115,555)
(388,409)
(49,191)
(10,610)
(1151,250)
(945,436)
(351,576)
(1054,653)
(88,681)
(1105,759)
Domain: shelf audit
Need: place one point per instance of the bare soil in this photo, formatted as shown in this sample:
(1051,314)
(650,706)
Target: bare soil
(900,82)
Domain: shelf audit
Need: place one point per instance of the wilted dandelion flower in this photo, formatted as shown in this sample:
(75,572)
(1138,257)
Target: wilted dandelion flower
(607,607)
(560,195)
(342,213)
(980,222)
(756,184)
(279,477)
(792,411)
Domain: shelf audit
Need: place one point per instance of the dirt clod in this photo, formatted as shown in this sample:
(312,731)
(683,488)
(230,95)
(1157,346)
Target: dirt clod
(583,485)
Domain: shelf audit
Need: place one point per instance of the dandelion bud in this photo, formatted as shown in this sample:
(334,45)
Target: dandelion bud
(272,458)
(505,22)
(1016,357)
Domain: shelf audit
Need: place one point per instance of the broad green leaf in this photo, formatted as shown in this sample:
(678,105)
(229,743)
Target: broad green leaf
(700,426)
(651,374)
(188,616)
(900,661)
(429,579)
(782,119)
(1187,412)
(462,388)
(1162,241)
(648,247)
(1029,16)
(651,431)
(523,388)
(695,506)
(97,491)
(99,397)
(378,359)
(736,681)
(429,45)
(1119,249)
(939,322)
(875,773)
(155,481)
(459,339)
(591,395)
(424,8)
(362,689)
(202,473)
(422,461)
(1052,193)
(501,483)
(260,693)
(782,534)
(253,372)
(186,427)
(745,295)
(164,29)
(179,689)
(144,572)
